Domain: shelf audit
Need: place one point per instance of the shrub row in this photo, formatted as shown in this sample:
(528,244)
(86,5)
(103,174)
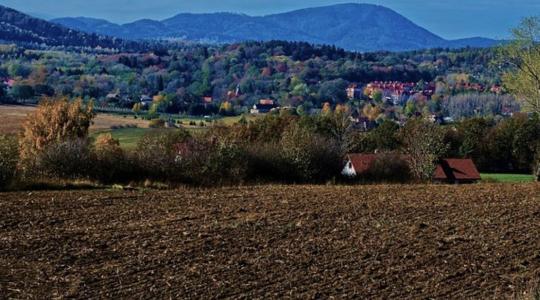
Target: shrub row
(177,157)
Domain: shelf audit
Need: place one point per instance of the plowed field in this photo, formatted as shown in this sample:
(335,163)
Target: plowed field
(477,241)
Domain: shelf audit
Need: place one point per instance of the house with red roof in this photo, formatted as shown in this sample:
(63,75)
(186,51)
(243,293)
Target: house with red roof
(453,170)
(358,164)
(448,170)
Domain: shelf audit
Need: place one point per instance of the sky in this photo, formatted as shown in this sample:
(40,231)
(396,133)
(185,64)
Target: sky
(448,18)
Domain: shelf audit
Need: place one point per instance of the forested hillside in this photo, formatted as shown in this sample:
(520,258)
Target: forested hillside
(18,27)
(200,80)
(356,27)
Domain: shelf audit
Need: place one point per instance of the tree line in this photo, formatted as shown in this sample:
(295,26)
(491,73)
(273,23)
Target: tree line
(283,147)
(237,76)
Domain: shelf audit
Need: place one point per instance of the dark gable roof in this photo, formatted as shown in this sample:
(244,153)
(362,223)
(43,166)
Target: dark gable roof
(456,169)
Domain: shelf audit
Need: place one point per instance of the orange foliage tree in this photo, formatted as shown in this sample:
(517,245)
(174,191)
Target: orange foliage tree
(55,120)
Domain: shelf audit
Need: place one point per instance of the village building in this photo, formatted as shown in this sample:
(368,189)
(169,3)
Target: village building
(360,122)
(354,91)
(9,83)
(358,164)
(448,170)
(113,97)
(146,100)
(453,170)
(394,92)
(264,106)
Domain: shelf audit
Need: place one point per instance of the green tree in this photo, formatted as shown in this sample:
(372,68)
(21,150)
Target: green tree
(377,96)
(423,142)
(523,57)
(384,137)
(527,143)
(472,133)
(22,92)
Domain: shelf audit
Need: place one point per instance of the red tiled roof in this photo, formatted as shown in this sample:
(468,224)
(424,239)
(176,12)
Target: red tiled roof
(448,169)
(266,102)
(456,169)
(362,162)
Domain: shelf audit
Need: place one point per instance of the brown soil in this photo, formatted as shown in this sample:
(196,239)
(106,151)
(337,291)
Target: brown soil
(477,241)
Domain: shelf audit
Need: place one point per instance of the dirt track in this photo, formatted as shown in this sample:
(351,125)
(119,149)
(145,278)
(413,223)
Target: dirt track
(479,241)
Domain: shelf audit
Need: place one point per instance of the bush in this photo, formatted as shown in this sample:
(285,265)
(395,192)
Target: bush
(267,163)
(156,155)
(9,157)
(312,158)
(217,163)
(70,159)
(388,167)
(157,123)
(111,164)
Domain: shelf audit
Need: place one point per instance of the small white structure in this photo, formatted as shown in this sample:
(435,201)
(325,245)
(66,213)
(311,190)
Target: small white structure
(146,100)
(348,170)
(358,163)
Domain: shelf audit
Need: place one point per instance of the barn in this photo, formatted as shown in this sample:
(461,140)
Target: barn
(456,171)
(449,170)
(358,164)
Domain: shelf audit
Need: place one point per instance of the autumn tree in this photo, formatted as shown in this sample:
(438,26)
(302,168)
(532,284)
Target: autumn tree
(226,108)
(522,56)
(326,109)
(372,112)
(54,121)
(423,142)
(136,108)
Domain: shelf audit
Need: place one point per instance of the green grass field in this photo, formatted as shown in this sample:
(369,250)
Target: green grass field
(128,137)
(221,120)
(511,178)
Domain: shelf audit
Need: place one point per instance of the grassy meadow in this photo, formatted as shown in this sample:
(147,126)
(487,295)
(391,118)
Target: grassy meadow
(507,178)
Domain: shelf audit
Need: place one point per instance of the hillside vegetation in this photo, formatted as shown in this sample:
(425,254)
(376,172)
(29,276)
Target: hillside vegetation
(19,27)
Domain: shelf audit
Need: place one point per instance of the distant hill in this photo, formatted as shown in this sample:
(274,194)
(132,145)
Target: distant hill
(359,27)
(478,42)
(18,27)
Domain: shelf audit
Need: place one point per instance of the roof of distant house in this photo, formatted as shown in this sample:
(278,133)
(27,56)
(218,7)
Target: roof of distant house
(361,162)
(456,169)
(450,169)
(10,82)
(266,102)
